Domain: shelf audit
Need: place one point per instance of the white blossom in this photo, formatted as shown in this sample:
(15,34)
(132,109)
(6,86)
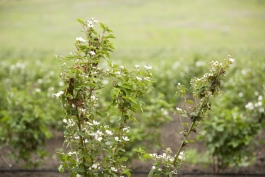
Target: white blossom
(109,132)
(258,104)
(231,60)
(95,122)
(82,110)
(99,133)
(93,98)
(147,67)
(182,155)
(116,138)
(80,39)
(136,66)
(153,167)
(138,78)
(98,138)
(94,166)
(69,122)
(249,106)
(125,138)
(199,63)
(58,94)
(91,22)
(51,89)
(113,169)
(126,129)
(105,82)
(179,109)
(92,52)
(122,67)
(71,153)
(147,79)
(165,112)
(153,155)
(61,83)
(37,90)
(244,71)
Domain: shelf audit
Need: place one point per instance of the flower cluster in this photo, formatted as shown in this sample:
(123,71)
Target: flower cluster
(209,84)
(69,122)
(95,166)
(98,135)
(91,22)
(80,39)
(60,93)
(166,159)
(258,105)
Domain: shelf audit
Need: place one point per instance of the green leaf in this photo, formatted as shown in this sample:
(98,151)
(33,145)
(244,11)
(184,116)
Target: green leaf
(115,92)
(80,20)
(186,124)
(110,36)
(170,174)
(146,156)
(123,159)
(132,118)
(189,102)
(61,169)
(191,141)
(139,150)
(81,170)
(151,173)
(102,25)
(127,172)
(81,133)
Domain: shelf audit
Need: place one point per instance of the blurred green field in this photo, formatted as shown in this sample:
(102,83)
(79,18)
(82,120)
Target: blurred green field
(145,30)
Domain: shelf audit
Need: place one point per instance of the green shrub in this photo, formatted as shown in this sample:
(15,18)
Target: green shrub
(24,126)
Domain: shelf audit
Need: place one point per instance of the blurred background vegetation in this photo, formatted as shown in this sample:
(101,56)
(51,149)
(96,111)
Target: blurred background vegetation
(144,29)
(176,37)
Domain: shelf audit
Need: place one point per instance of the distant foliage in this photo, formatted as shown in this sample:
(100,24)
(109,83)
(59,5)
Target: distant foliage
(230,133)
(27,111)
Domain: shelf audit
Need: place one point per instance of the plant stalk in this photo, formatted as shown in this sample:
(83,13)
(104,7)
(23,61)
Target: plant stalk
(183,143)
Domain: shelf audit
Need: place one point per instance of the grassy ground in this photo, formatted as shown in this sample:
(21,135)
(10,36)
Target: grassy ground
(146,30)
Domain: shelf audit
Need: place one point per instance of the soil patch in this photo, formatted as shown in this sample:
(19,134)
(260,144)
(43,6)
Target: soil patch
(171,138)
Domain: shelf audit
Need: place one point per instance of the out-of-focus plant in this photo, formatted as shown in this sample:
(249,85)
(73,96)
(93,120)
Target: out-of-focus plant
(27,110)
(167,75)
(24,126)
(230,135)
